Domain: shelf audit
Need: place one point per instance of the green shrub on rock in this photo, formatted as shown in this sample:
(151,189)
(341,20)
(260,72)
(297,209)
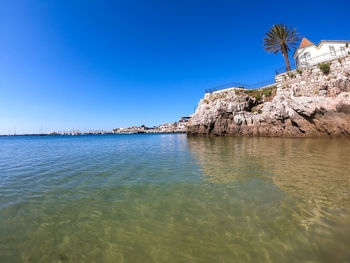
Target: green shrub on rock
(325,68)
(259,93)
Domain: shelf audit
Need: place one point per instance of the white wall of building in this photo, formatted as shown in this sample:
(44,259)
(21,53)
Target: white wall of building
(325,51)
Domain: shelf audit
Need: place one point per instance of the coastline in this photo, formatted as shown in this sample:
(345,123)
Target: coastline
(89,134)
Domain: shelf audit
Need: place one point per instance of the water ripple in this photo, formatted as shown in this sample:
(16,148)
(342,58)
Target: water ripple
(169,198)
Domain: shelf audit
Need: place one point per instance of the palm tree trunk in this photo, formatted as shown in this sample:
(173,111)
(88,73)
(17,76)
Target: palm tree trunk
(286,58)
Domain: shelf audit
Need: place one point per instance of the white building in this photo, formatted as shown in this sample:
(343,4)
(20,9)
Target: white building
(309,54)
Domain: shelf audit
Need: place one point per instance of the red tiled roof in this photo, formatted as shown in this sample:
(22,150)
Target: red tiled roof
(305,42)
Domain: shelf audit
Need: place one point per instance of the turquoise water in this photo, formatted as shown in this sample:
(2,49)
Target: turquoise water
(172,198)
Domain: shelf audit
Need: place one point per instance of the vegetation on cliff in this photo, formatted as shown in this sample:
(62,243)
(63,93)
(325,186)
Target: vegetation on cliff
(263,93)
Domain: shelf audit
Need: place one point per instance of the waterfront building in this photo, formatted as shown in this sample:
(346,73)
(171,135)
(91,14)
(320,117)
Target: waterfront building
(309,54)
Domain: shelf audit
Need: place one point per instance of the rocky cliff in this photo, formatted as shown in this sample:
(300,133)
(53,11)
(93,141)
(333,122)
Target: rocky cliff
(307,102)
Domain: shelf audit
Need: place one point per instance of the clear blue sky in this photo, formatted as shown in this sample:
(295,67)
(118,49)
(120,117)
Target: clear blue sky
(105,64)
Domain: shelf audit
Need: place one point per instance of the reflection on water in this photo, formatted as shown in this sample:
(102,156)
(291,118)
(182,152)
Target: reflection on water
(172,198)
(314,173)
(315,169)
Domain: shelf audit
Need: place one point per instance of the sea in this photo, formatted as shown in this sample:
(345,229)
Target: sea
(174,198)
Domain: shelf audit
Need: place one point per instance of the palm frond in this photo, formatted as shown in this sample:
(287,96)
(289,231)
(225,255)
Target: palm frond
(281,38)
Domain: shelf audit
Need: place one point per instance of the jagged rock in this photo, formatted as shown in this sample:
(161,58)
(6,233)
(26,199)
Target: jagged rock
(311,104)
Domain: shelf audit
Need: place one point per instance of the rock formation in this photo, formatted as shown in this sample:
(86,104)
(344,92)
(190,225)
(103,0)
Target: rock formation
(305,102)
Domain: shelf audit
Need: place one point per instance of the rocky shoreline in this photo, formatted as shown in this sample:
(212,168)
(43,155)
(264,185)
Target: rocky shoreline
(307,102)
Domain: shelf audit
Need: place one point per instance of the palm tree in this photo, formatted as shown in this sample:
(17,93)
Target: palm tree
(281,38)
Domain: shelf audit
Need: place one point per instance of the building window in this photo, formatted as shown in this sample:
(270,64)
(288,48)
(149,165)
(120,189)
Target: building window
(332,51)
(342,51)
(305,57)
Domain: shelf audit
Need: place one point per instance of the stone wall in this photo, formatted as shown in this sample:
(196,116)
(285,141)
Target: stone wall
(310,81)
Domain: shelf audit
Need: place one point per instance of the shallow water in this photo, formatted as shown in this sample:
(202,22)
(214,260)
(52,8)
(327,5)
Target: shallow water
(172,198)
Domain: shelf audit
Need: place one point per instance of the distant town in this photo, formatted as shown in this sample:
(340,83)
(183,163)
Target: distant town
(173,127)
